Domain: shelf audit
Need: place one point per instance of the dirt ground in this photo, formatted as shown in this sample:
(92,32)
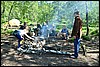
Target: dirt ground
(10,58)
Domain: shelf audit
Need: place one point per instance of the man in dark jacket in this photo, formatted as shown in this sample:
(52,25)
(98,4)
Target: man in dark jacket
(76,33)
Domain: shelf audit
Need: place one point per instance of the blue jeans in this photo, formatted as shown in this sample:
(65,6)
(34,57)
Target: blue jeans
(76,46)
(19,39)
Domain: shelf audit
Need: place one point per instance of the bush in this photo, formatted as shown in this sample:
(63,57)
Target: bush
(84,37)
(9,32)
(57,30)
(95,32)
(71,39)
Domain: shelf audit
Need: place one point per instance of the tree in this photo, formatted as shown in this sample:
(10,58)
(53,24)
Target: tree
(40,11)
(87,20)
(2,8)
(9,14)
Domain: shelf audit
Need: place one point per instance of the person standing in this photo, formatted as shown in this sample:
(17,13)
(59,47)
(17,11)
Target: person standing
(77,33)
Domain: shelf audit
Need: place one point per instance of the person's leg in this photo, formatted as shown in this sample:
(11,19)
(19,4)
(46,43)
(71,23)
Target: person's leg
(76,47)
(78,44)
(67,36)
(19,43)
(64,35)
(19,40)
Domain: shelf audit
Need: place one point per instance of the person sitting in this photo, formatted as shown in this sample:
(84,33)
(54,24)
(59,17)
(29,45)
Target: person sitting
(64,32)
(44,30)
(20,34)
(39,29)
(31,32)
(52,32)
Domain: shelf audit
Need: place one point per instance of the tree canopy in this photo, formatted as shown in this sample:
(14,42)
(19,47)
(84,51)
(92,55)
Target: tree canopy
(52,11)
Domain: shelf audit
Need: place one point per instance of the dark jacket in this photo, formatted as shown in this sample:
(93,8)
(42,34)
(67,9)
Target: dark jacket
(77,28)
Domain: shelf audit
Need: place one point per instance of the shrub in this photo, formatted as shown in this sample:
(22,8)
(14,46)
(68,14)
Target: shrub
(84,37)
(95,32)
(71,39)
(9,31)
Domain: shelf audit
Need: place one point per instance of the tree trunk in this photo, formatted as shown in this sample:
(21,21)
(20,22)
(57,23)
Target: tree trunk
(87,21)
(3,8)
(9,14)
(87,24)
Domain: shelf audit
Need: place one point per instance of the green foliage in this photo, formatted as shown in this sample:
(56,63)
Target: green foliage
(27,11)
(9,31)
(71,39)
(57,30)
(95,32)
(6,32)
(59,27)
(84,37)
(40,11)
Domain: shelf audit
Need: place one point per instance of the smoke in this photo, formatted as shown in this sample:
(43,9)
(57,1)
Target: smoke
(64,13)
(61,16)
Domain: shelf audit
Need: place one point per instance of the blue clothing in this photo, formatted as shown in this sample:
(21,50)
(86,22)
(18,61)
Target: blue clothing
(52,33)
(19,35)
(44,31)
(65,31)
(19,45)
(76,46)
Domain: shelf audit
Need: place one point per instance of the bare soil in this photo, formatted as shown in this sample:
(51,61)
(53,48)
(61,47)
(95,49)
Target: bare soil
(10,58)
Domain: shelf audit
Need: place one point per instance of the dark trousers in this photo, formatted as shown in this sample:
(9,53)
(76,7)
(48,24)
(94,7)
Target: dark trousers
(76,46)
(19,39)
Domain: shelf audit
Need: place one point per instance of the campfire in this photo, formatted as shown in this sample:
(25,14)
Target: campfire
(43,45)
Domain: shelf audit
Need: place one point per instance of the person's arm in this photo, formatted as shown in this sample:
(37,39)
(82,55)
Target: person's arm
(29,37)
